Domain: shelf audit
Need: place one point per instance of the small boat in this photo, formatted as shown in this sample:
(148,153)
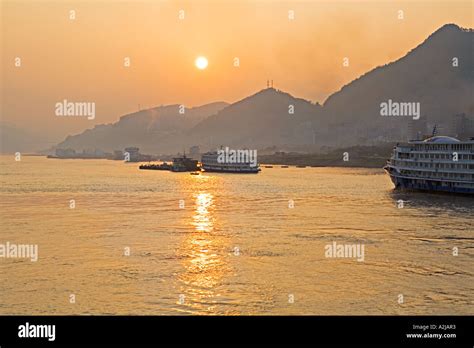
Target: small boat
(284,166)
(300,166)
(268,166)
(195,173)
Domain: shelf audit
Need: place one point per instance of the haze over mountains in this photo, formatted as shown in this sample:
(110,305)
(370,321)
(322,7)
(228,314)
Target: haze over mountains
(269,117)
(351,116)
(152,129)
(14,139)
(425,75)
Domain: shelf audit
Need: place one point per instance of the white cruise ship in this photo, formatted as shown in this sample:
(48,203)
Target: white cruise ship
(210,163)
(439,163)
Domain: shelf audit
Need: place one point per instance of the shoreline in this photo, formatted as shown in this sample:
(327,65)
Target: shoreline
(292,160)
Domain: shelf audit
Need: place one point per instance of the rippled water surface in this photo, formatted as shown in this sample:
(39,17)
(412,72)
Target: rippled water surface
(235,248)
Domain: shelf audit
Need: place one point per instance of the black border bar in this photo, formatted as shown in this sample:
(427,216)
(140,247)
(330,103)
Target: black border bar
(260,330)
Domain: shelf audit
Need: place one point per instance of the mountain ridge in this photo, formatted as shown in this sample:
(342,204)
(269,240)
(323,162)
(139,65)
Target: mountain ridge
(349,116)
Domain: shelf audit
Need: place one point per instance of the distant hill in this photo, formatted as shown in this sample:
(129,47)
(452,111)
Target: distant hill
(155,130)
(426,75)
(349,117)
(269,117)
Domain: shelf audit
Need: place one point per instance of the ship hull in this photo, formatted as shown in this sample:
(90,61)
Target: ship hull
(427,185)
(231,170)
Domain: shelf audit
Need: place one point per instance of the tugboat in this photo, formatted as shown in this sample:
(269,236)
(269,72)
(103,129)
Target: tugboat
(439,164)
(179,164)
(184,164)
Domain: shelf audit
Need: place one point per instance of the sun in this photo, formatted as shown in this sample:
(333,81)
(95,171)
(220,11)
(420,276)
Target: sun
(201,62)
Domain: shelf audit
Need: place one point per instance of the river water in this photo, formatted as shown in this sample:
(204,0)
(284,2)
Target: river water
(113,239)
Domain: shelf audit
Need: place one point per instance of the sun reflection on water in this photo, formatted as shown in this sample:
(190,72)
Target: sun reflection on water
(202,218)
(204,249)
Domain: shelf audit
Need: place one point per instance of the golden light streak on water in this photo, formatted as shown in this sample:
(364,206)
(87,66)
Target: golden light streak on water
(191,251)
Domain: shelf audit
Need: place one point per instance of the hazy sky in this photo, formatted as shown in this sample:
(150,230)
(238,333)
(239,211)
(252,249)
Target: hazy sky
(83,59)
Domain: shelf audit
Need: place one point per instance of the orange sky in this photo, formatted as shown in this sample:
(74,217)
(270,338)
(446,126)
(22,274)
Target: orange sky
(82,59)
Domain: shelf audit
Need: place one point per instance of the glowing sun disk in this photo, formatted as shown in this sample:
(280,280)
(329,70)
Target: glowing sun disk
(201,63)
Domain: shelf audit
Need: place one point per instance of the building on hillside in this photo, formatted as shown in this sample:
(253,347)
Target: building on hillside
(462,126)
(132,154)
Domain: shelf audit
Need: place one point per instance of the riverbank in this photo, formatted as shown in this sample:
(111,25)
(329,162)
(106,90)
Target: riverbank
(356,156)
